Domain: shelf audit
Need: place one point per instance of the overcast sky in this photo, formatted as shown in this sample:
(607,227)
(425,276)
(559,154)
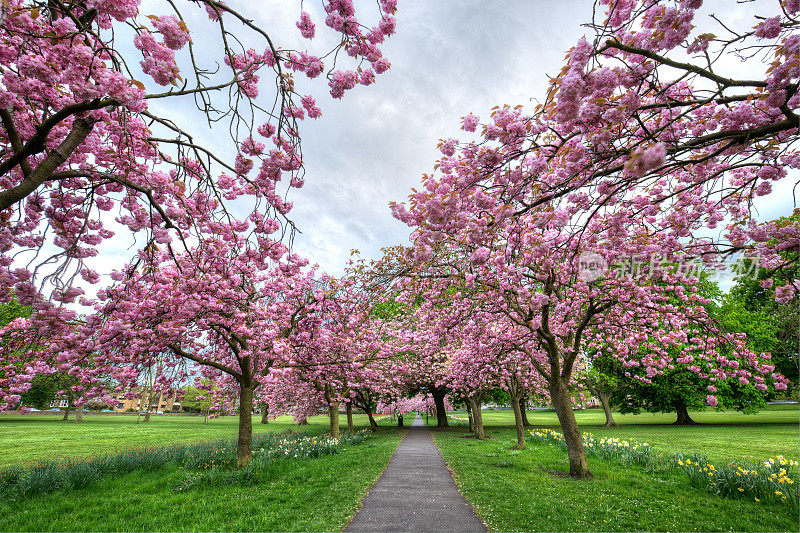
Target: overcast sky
(448,59)
(371,147)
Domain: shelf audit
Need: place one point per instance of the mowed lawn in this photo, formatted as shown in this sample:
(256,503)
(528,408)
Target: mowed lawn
(520,490)
(720,434)
(306,494)
(28,438)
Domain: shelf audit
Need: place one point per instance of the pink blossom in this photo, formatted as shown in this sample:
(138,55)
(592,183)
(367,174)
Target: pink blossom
(769,29)
(306,26)
(470,122)
(172,30)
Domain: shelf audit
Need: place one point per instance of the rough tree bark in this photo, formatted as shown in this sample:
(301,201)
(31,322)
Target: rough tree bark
(349,408)
(333,413)
(605,401)
(578,467)
(70,404)
(469,415)
(79,414)
(244,444)
(515,403)
(523,407)
(683,415)
(477,417)
(441,414)
(264,413)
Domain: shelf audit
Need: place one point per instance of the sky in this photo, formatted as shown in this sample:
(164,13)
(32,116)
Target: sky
(448,59)
(372,146)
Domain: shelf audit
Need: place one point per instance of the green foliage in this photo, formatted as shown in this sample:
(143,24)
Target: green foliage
(44,387)
(770,327)
(41,393)
(683,387)
(389,309)
(191,404)
(11,310)
(679,389)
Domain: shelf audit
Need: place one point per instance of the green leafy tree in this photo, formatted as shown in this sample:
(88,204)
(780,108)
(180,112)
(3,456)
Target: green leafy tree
(680,390)
(770,326)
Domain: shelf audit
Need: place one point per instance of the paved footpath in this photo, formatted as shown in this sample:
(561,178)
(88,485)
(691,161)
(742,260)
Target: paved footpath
(416,492)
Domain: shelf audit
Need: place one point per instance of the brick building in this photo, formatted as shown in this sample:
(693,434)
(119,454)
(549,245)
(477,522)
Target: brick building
(161,403)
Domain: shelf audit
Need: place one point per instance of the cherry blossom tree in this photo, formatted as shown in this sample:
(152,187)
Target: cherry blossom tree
(575,222)
(104,112)
(226,306)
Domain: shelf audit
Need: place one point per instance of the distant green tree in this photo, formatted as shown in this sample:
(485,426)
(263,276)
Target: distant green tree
(190,402)
(41,394)
(772,327)
(680,390)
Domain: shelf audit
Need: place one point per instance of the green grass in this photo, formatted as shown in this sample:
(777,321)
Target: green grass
(517,491)
(29,438)
(720,435)
(319,494)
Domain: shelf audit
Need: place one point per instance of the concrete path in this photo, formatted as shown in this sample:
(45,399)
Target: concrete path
(416,492)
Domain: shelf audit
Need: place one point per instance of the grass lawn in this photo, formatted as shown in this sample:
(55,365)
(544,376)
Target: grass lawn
(513,491)
(28,438)
(720,435)
(316,494)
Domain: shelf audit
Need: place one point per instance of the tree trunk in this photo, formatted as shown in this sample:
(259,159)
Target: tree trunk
(605,402)
(70,404)
(469,415)
(523,407)
(372,422)
(477,418)
(349,408)
(244,450)
(518,422)
(264,413)
(303,422)
(79,414)
(578,467)
(441,414)
(333,413)
(683,415)
(149,406)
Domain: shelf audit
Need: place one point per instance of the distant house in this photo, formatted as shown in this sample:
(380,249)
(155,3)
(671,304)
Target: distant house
(161,403)
(60,401)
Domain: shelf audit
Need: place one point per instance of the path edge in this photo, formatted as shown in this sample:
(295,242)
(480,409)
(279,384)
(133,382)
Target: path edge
(458,485)
(369,487)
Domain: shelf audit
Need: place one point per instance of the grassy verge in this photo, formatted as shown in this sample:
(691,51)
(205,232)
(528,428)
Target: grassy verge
(30,438)
(319,494)
(518,491)
(720,435)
